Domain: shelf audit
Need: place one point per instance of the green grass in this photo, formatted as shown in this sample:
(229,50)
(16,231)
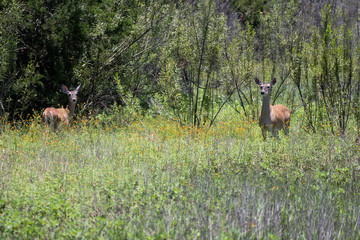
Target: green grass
(155,179)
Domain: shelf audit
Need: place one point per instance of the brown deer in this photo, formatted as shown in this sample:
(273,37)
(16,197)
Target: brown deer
(272,118)
(55,116)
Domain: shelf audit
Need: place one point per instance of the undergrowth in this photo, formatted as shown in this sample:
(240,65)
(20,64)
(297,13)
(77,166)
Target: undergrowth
(156,179)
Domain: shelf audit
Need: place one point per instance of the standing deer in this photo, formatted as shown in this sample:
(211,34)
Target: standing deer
(272,118)
(55,116)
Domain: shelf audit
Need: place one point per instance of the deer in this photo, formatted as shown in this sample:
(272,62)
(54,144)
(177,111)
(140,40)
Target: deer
(272,118)
(55,116)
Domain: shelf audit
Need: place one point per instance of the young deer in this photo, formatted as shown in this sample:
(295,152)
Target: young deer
(272,118)
(55,116)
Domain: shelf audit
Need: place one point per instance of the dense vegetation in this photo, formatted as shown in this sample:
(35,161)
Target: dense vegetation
(165,143)
(156,179)
(183,60)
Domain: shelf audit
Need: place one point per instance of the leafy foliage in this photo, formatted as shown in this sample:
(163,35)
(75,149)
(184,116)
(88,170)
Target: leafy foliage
(185,60)
(167,143)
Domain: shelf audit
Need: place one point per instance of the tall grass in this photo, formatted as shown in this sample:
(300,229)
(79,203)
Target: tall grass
(155,179)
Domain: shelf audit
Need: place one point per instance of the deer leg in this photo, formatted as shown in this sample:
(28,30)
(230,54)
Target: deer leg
(273,132)
(46,121)
(264,132)
(286,127)
(286,130)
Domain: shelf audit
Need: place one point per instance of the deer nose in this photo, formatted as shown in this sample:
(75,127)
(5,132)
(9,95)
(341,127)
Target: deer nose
(262,93)
(74,99)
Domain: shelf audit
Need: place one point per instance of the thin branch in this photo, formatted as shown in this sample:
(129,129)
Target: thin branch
(212,121)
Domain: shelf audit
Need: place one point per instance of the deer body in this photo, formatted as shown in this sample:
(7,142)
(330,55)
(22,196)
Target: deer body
(272,118)
(56,116)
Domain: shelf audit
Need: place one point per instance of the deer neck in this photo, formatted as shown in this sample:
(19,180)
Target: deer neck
(265,109)
(71,108)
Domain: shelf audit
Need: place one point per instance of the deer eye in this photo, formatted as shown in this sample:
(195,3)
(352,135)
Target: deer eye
(267,87)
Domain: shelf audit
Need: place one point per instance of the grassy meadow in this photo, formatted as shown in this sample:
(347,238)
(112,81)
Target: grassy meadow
(155,179)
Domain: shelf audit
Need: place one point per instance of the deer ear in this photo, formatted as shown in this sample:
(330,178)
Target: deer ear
(77,89)
(257,81)
(64,89)
(273,81)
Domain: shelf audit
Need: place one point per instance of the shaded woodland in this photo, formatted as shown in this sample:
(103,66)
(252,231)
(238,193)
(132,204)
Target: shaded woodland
(184,59)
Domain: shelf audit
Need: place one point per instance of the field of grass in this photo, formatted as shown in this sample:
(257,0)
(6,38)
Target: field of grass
(154,179)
